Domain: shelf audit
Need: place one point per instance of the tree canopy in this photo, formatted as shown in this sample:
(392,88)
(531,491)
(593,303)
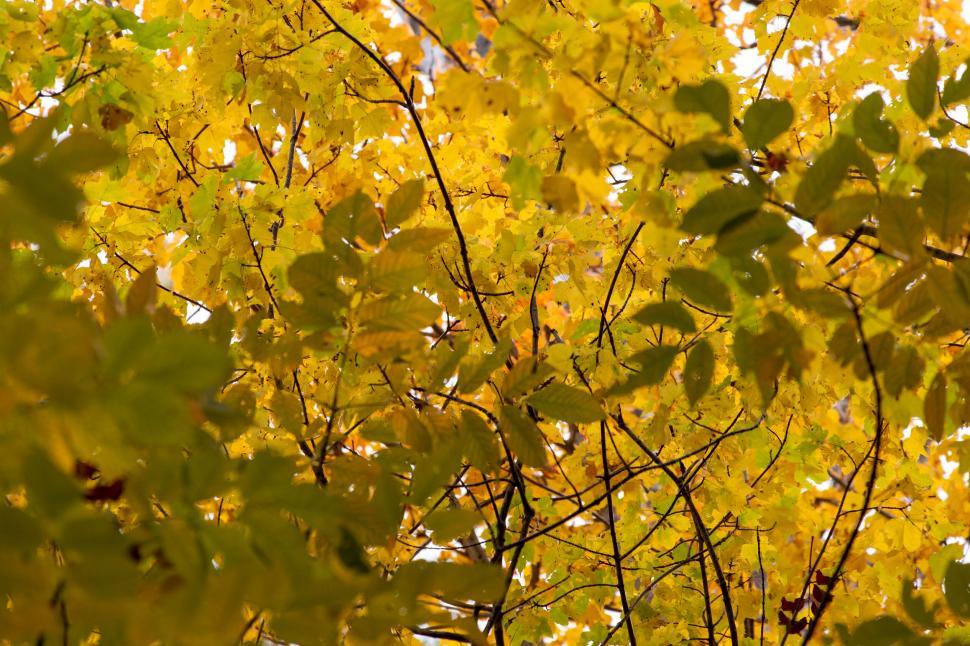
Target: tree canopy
(489,321)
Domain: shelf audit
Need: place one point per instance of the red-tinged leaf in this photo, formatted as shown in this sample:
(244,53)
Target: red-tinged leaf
(797,626)
(817,593)
(794,605)
(104,492)
(85,471)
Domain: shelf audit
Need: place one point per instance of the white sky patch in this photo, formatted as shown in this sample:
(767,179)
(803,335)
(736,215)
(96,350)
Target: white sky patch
(869,88)
(802,228)
(228,152)
(747,62)
(195,315)
(164,276)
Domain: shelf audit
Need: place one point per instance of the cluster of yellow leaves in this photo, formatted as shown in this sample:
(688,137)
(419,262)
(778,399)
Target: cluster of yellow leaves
(585,321)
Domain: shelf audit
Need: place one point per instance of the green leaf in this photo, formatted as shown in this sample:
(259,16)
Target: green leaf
(403,202)
(941,128)
(743,236)
(6,135)
(566,403)
(916,607)
(245,169)
(460,582)
(412,311)
(921,84)
(82,152)
(472,375)
(956,89)
(957,588)
(21,532)
(669,313)
(750,274)
(456,19)
(24,10)
(654,364)
(719,208)
(351,219)
(860,159)
(184,361)
(233,83)
(523,436)
(154,33)
(315,275)
(945,199)
(945,196)
(110,577)
(824,177)
(702,288)
(526,374)
(699,371)
(823,301)
(900,227)
(524,179)
(449,524)
(845,214)
(876,133)
(881,631)
(934,407)
(941,559)
(91,533)
(478,442)
(49,490)
(435,469)
(142,293)
(418,239)
(941,158)
(765,120)
(351,552)
(44,72)
(399,271)
(710,97)
(702,155)
(905,371)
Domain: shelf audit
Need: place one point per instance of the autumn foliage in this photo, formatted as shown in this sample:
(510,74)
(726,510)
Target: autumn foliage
(488,321)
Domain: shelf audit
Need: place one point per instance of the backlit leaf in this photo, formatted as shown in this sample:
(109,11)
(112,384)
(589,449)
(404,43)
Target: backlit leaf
(403,202)
(934,407)
(710,97)
(669,313)
(921,83)
(957,586)
(702,287)
(719,208)
(524,438)
(765,120)
(566,403)
(876,133)
(699,371)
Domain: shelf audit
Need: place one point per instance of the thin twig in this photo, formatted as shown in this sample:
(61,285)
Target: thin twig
(449,206)
(702,532)
(168,142)
(870,484)
(451,52)
(774,54)
(611,523)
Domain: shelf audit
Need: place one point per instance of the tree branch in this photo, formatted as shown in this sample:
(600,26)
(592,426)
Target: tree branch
(449,206)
